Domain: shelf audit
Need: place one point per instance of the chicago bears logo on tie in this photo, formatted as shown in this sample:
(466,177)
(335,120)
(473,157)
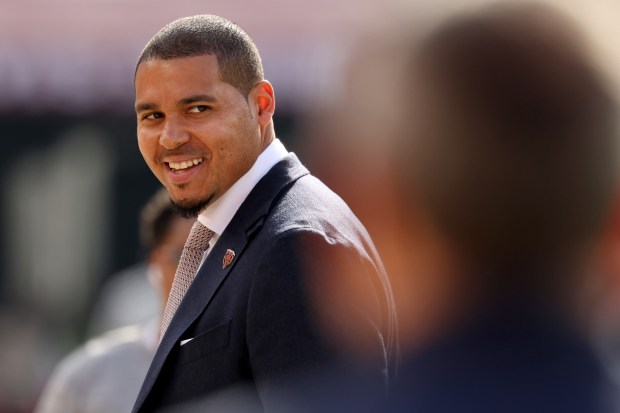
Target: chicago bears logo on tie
(228,258)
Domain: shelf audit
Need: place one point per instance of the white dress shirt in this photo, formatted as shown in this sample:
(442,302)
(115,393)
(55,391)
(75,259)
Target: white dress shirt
(218,215)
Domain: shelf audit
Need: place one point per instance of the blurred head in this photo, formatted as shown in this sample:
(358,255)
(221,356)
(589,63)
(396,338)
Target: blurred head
(204,111)
(510,143)
(163,233)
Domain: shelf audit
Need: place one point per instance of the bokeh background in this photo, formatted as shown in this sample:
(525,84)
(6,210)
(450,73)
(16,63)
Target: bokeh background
(74,180)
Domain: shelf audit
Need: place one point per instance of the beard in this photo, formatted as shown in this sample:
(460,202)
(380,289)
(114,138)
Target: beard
(190,209)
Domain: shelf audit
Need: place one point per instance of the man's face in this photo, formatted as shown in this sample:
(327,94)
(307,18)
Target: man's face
(198,134)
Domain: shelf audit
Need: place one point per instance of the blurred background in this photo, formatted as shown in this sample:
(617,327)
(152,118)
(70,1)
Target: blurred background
(75,180)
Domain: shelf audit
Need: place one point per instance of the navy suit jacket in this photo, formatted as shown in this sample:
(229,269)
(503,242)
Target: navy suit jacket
(273,313)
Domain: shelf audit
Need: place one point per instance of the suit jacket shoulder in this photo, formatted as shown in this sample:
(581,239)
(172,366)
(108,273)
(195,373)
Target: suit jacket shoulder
(311,233)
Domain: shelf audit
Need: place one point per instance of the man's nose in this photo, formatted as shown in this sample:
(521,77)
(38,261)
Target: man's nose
(173,135)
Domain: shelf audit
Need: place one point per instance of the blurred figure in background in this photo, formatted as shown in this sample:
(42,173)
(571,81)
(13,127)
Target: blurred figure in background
(124,298)
(508,154)
(105,374)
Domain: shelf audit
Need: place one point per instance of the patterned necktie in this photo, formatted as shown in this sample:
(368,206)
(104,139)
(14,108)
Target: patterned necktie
(195,246)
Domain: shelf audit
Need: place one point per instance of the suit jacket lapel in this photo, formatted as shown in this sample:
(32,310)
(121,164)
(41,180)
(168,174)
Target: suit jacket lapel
(246,222)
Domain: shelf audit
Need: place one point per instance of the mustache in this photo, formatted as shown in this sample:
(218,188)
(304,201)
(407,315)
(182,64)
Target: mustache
(182,151)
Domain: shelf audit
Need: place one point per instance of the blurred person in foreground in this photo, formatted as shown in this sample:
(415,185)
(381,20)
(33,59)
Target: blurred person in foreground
(278,278)
(509,161)
(104,375)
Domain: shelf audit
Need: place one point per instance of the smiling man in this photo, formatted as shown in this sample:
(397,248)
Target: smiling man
(278,278)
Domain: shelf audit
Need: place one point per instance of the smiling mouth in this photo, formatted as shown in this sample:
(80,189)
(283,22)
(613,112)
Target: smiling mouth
(179,166)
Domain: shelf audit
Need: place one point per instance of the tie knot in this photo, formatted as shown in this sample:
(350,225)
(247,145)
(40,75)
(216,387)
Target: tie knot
(199,237)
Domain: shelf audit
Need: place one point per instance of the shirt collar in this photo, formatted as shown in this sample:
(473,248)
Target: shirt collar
(218,215)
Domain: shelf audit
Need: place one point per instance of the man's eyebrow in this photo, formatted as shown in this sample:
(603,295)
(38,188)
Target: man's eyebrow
(196,98)
(141,107)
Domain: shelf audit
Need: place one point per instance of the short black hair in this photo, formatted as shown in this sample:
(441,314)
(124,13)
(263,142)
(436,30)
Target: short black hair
(238,58)
(156,219)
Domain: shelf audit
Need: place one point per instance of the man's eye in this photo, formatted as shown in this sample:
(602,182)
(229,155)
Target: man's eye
(154,115)
(198,109)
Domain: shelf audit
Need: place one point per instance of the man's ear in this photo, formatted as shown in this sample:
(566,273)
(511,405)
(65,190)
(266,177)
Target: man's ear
(264,100)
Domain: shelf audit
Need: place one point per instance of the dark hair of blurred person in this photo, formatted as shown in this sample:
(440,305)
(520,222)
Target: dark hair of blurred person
(105,374)
(163,233)
(509,155)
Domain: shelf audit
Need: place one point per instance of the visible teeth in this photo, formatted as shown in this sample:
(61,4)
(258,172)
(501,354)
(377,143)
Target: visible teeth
(184,165)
